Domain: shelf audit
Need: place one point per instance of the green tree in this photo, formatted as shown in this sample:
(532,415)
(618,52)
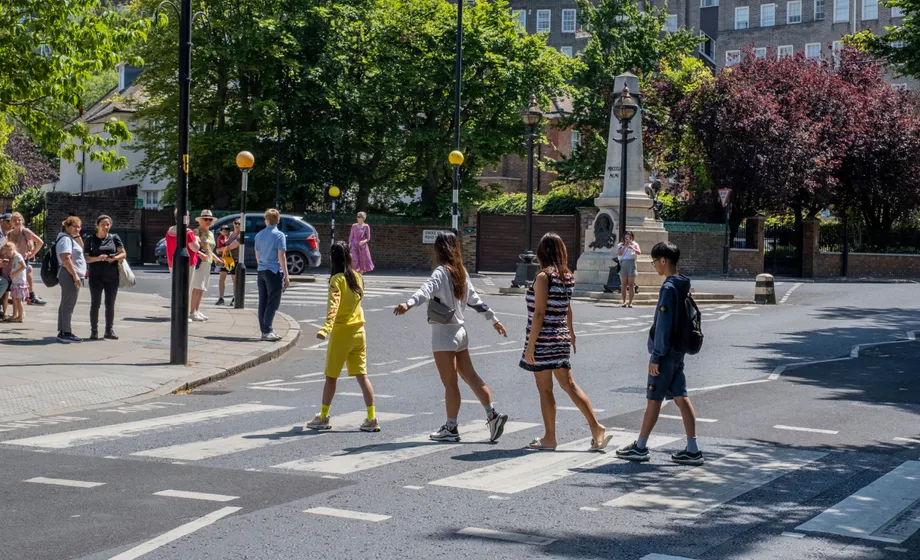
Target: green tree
(48,53)
(900,44)
(623,38)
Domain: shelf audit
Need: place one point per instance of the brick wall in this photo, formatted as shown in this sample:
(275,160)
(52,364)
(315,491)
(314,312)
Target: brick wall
(745,262)
(117,203)
(700,252)
(868,265)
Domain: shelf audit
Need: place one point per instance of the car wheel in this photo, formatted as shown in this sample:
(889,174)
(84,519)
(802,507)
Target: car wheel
(296,264)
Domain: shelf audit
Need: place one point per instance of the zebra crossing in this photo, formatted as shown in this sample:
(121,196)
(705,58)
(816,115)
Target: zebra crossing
(886,510)
(311,294)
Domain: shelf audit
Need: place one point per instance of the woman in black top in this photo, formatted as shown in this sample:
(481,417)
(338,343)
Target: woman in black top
(103,252)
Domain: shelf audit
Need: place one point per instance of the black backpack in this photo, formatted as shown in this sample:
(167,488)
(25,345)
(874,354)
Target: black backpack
(49,269)
(688,333)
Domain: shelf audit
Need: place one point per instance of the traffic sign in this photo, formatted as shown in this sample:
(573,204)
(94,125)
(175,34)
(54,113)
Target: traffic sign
(723,196)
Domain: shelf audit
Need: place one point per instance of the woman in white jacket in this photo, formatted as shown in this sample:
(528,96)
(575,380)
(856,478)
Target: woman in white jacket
(450,289)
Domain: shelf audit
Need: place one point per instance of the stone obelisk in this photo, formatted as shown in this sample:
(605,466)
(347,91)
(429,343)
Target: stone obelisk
(601,236)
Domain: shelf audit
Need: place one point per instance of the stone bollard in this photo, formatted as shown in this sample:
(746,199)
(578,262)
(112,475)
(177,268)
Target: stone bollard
(764,292)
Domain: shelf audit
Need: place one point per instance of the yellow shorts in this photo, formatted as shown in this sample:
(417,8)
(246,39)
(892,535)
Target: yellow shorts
(347,346)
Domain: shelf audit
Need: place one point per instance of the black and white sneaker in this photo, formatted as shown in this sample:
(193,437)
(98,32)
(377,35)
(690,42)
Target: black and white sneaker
(220,301)
(496,426)
(686,458)
(633,452)
(446,434)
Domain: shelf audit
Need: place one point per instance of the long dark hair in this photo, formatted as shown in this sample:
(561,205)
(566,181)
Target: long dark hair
(551,253)
(340,258)
(447,253)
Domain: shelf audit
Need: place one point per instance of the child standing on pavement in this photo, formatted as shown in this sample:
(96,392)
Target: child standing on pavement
(347,341)
(666,365)
(19,282)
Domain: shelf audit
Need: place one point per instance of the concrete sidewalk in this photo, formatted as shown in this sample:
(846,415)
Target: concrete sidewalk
(40,376)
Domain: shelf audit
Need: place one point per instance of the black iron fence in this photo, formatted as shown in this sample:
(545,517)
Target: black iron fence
(903,239)
(782,250)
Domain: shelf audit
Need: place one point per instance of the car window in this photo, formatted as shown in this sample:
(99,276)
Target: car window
(294,225)
(254,224)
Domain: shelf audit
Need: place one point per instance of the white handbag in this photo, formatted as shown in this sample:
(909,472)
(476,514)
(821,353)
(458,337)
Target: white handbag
(126,278)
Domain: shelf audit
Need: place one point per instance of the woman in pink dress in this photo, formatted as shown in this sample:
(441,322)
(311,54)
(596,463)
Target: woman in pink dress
(360,252)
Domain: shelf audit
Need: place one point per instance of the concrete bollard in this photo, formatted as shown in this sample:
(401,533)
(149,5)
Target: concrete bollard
(764,292)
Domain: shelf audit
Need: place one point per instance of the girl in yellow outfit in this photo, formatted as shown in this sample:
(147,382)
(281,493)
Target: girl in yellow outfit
(347,342)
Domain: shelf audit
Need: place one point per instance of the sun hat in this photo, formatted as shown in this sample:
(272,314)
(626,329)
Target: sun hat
(205,215)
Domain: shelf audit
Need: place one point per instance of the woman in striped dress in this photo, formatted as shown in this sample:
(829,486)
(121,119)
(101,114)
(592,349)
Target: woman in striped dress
(550,336)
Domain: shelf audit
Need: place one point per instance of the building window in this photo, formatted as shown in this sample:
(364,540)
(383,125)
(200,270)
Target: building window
(896,44)
(760,52)
(151,198)
(819,10)
(521,17)
(707,46)
(794,12)
(768,15)
(543,20)
(899,87)
(568,21)
(742,18)
(709,3)
(567,51)
(841,10)
(671,25)
(576,140)
(732,58)
(786,51)
(897,12)
(870,9)
(813,50)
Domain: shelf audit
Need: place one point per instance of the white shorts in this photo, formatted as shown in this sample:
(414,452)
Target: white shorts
(449,338)
(201,277)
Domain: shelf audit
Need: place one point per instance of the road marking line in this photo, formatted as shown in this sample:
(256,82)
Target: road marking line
(385,363)
(800,429)
(701,489)
(413,487)
(377,395)
(534,468)
(505,536)
(196,495)
(908,440)
(575,408)
(495,352)
(348,514)
(509,342)
(320,346)
(402,449)
(776,373)
(413,366)
(275,388)
(588,508)
(331,477)
(73,438)
(498,497)
(887,510)
(317,374)
(270,381)
(64,482)
(286,383)
(207,449)
(175,534)
(663,557)
(789,293)
(896,549)
(467,401)
(675,417)
(713,387)
(792,535)
(415,358)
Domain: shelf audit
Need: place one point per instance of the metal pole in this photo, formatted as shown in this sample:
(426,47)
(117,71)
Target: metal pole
(624,132)
(278,152)
(178,335)
(528,225)
(332,234)
(239,286)
(455,206)
(727,241)
(846,247)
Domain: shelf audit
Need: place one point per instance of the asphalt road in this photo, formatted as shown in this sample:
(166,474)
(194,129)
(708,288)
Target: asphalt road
(804,460)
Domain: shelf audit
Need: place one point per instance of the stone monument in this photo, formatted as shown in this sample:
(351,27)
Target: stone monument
(601,236)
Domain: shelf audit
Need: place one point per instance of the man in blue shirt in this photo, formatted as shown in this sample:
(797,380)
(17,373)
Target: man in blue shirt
(271,253)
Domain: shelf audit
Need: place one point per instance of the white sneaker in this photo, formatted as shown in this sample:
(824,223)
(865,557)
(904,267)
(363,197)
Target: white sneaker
(203,316)
(196,317)
(273,337)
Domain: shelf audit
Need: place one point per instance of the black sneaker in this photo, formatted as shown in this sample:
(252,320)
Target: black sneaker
(232,301)
(496,426)
(36,300)
(94,334)
(686,458)
(67,338)
(633,452)
(110,334)
(446,434)
(220,301)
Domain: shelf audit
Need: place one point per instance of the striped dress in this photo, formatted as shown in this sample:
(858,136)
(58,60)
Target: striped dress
(554,341)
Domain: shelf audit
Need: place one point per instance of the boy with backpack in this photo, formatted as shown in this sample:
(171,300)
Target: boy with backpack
(675,332)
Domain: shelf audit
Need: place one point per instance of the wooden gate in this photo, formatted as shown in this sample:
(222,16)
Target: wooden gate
(500,239)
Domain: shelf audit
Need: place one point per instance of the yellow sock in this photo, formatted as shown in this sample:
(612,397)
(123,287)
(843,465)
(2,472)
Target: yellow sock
(324,410)
(371,412)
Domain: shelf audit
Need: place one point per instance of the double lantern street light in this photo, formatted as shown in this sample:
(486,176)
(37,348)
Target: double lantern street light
(527,269)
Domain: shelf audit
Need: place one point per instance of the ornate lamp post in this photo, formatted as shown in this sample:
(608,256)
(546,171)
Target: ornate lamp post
(245,161)
(527,269)
(624,110)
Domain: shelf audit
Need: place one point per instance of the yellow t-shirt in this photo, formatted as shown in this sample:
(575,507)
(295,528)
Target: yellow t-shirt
(344,305)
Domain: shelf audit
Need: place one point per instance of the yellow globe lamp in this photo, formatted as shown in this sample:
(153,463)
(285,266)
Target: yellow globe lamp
(456,157)
(245,160)
(334,192)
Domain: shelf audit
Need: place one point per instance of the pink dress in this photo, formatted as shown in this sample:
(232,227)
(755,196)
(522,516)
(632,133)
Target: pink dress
(361,255)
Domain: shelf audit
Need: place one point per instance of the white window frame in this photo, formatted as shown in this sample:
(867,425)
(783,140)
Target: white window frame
(745,12)
(810,47)
(671,23)
(869,10)
(820,15)
(788,49)
(573,15)
(764,21)
(841,7)
(897,12)
(548,14)
(709,3)
(521,17)
(732,58)
(575,141)
(790,18)
(567,51)
(760,52)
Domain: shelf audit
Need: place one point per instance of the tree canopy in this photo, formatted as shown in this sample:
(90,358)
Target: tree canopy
(900,44)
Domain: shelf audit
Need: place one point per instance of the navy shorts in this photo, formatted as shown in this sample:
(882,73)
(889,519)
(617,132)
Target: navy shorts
(670,382)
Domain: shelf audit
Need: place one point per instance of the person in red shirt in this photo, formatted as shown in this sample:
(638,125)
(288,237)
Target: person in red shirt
(191,242)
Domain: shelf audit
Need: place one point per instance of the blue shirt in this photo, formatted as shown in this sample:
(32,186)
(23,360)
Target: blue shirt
(268,242)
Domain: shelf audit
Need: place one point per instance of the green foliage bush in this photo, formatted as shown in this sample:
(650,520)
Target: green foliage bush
(563,199)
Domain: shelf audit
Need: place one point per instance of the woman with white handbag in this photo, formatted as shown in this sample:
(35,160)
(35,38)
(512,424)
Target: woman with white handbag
(104,253)
(448,292)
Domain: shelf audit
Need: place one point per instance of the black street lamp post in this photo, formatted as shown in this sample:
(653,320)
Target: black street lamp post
(245,161)
(527,269)
(624,110)
(455,200)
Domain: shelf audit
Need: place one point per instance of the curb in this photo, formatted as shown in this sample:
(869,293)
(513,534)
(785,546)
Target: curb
(280,348)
